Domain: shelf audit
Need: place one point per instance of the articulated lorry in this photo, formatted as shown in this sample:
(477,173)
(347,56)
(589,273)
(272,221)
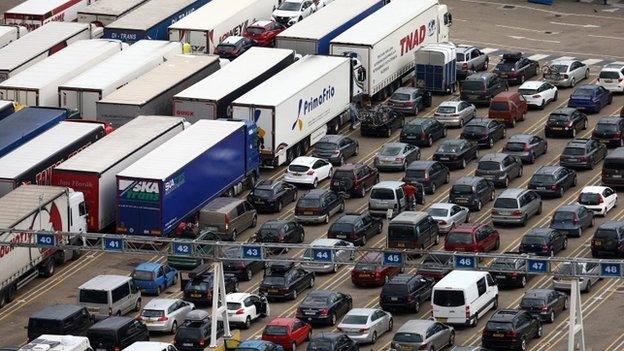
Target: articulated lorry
(25,124)
(33,14)
(11,33)
(105,12)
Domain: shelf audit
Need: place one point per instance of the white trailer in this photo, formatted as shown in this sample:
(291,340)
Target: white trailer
(39,44)
(38,84)
(296,107)
(152,93)
(383,44)
(82,92)
(50,342)
(208,26)
(105,12)
(11,33)
(35,13)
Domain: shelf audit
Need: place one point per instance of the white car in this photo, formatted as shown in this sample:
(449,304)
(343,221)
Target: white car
(150,346)
(324,264)
(538,93)
(293,11)
(165,315)
(599,199)
(243,308)
(448,215)
(365,325)
(612,77)
(308,170)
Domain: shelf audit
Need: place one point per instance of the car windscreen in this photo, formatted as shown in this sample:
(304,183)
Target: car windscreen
(264,193)
(613,163)
(390,150)
(354,319)
(462,189)
(459,238)
(531,302)
(276,330)
(472,85)
(308,203)
(326,146)
(401,232)
(93,296)
(515,146)
(416,173)
(407,337)
(382,194)
(290,6)
(586,93)
(526,91)
(489,166)
(563,216)
(188,333)
(152,313)
(609,75)
(556,117)
(543,178)
(274,280)
(400,97)
(142,275)
(589,199)
(460,57)
(437,212)
(574,151)
(499,106)
(603,233)
(499,326)
(320,345)
(394,289)
(505,202)
(606,127)
(344,175)
(533,240)
(448,298)
(446,109)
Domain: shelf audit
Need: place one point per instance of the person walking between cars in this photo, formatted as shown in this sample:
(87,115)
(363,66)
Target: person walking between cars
(353,115)
(410,196)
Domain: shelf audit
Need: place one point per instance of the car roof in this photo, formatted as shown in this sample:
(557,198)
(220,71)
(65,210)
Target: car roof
(451,103)
(406,90)
(197,315)
(409,216)
(467,180)
(274,223)
(512,193)
(362,311)
(348,218)
(453,142)
(613,67)
(268,183)
(532,84)
(540,232)
(505,95)
(563,62)
(461,48)
(548,169)
(325,242)
(315,193)
(610,119)
(232,39)
(222,204)
(611,224)
(371,257)
(505,315)
(588,87)
(521,137)
(304,160)
(57,311)
(148,266)
(254,344)
(159,303)
(328,335)
(349,166)
(105,282)
(237,296)
(395,144)
(564,111)
(332,138)
(581,141)
(418,326)
(498,157)
(112,322)
(147,345)
(468,227)
(403,278)
(388,184)
(321,293)
(443,205)
(479,121)
(420,164)
(593,189)
(261,23)
(480,76)
(538,293)
(569,208)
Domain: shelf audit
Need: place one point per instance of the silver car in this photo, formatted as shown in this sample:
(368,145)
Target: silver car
(470,59)
(455,113)
(165,315)
(448,215)
(418,333)
(341,253)
(365,325)
(396,156)
(562,280)
(515,206)
(565,73)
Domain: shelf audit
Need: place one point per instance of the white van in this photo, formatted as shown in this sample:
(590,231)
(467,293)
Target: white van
(150,346)
(461,297)
(58,343)
(107,295)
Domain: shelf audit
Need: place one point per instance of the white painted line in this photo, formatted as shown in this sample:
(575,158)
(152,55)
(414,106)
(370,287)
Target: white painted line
(575,25)
(532,39)
(605,37)
(590,62)
(525,29)
(488,51)
(617,63)
(537,57)
(611,10)
(563,58)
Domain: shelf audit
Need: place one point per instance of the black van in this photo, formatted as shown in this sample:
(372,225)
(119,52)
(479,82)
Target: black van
(116,333)
(613,169)
(59,319)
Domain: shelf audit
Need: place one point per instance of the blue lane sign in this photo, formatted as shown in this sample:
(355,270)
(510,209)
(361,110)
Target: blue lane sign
(610,270)
(322,255)
(45,239)
(182,249)
(252,252)
(393,258)
(112,244)
(465,262)
(537,266)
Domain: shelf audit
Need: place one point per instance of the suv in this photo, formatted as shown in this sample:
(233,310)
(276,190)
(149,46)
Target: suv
(472,238)
(499,168)
(336,148)
(516,68)
(484,131)
(116,333)
(511,329)
(612,77)
(405,292)
(582,153)
(472,192)
(572,219)
(409,100)
(431,174)
(508,108)
(565,121)
(194,333)
(355,227)
(543,242)
(59,319)
(613,168)
(197,287)
(285,281)
(608,239)
(272,195)
(423,131)
(280,231)
(479,88)
(228,217)
(526,146)
(354,179)
(515,206)
(317,205)
(544,303)
(552,180)
(609,131)
(469,60)
(370,271)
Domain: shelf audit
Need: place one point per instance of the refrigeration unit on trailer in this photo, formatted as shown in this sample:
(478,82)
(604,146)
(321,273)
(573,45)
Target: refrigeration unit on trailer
(25,124)
(38,84)
(82,92)
(105,12)
(211,97)
(92,171)
(297,106)
(382,45)
(312,35)
(151,20)
(39,44)
(33,14)
(177,179)
(152,93)
(210,25)
(11,33)
(7,108)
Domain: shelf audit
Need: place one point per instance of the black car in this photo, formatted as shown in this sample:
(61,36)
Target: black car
(354,179)
(116,333)
(552,180)
(582,153)
(317,205)
(526,146)
(501,269)
(280,231)
(194,333)
(232,47)
(510,330)
(324,306)
(472,192)
(59,319)
(484,131)
(480,88)
(336,148)
(543,242)
(284,280)
(422,131)
(405,292)
(516,68)
(572,219)
(197,287)
(436,266)
(499,168)
(242,269)
(272,195)
(332,342)
(608,239)
(380,121)
(456,153)
(609,131)
(431,174)
(565,121)
(544,304)
(355,227)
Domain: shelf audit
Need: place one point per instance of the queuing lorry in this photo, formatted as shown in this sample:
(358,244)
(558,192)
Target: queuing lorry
(173,182)
(25,124)
(312,35)
(92,171)
(211,24)
(38,84)
(7,108)
(436,68)
(298,106)
(82,92)
(46,208)
(11,33)
(151,20)
(382,45)
(33,14)
(152,93)
(105,12)
(211,97)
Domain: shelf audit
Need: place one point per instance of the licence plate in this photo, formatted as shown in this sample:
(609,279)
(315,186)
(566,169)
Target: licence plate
(541,188)
(444,158)
(394,299)
(557,128)
(187,344)
(473,96)
(442,320)
(308,212)
(598,242)
(195,295)
(309,313)
(617,176)
(608,81)
(604,140)
(100,349)
(500,276)
(365,275)
(272,290)
(498,335)
(400,244)
(572,159)
(341,236)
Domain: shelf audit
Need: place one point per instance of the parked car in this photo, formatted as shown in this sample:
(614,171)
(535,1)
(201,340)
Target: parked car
(370,271)
(306,170)
(613,168)
(484,131)
(405,292)
(244,308)
(380,121)
(154,278)
(59,319)
(228,217)
(543,242)
(165,315)
(195,333)
(526,146)
(436,266)
(470,59)
(342,252)
(552,180)
(336,148)
(598,199)
(572,220)
(479,88)
(430,174)
(582,153)
(365,325)
(332,342)
(354,179)
(472,192)
(423,131)
(409,100)
(263,33)
(292,11)
(242,269)
(285,281)
(565,121)
(501,267)
(356,228)
(317,206)
(609,131)
(412,230)
(280,231)
(516,68)
(566,73)
(500,168)
(287,332)
(116,333)
(590,98)
(232,47)
(538,93)
(516,206)
(423,334)
(611,77)
(396,156)
(455,113)
(608,239)
(258,345)
(477,237)
(198,286)
(272,195)
(324,306)
(511,330)
(561,280)
(456,153)
(508,108)
(449,216)
(387,195)
(544,304)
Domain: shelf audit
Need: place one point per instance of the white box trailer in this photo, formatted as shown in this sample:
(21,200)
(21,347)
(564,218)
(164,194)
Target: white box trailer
(38,84)
(152,93)
(383,44)
(11,33)
(208,26)
(297,107)
(35,13)
(105,12)
(39,44)
(82,92)
(211,97)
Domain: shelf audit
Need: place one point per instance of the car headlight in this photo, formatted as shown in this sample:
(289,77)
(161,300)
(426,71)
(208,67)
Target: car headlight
(292,21)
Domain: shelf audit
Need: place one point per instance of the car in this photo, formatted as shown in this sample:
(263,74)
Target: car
(501,269)
(287,332)
(317,206)
(479,88)
(405,293)
(244,308)
(565,121)
(582,153)
(609,131)
(598,199)
(544,304)
(354,179)
(242,269)
(388,199)
(59,319)
(409,100)
(516,206)
(332,342)
(470,59)
(538,93)
(336,148)
(455,113)
(436,266)
(500,168)
(263,33)
(292,11)
(423,131)
(608,239)
(194,334)
(565,73)
(613,169)
(232,47)
(456,153)
(552,180)
(430,174)
(472,192)
(590,98)
(154,278)
(508,108)
(448,215)
(380,121)
(285,281)
(572,219)
(188,263)
(307,170)
(356,228)
(370,271)
(516,68)
(543,242)
(511,330)
(324,307)
(526,146)
(469,348)
(423,334)
(396,156)
(343,251)
(561,278)
(165,315)
(228,216)
(478,237)
(258,345)
(365,325)
(280,231)
(198,287)
(272,195)
(484,131)
(611,77)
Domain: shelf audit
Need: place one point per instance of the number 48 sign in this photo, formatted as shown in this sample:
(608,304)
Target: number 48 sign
(610,270)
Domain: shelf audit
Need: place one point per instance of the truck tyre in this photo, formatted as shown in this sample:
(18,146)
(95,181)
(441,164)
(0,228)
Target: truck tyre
(47,268)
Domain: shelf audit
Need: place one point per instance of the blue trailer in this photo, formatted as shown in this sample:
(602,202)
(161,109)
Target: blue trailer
(27,123)
(175,180)
(435,68)
(6,109)
(151,20)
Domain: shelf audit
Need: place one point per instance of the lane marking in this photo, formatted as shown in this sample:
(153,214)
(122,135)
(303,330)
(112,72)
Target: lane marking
(538,57)
(590,62)
(526,29)
(488,51)
(605,37)
(533,39)
(565,58)
(575,24)
(507,47)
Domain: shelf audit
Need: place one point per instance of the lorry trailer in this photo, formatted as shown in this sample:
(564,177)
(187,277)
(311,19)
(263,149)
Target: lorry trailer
(105,12)
(25,124)
(7,108)
(33,14)
(11,33)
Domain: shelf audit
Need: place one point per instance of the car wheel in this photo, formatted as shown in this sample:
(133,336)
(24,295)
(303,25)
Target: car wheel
(522,79)
(565,244)
(295,294)
(332,319)
(451,340)
(364,240)
(404,166)
(357,150)
(248,274)
(561,191)
(573,82)
(447,179)
(523,344)
(293,347)
(416,306)
(497,244)
(342,207)
(430,141)
(174,327)
(593,222)
(444,133)
(254,221)
(539,209)
(573,132)
(315,183)
(415,112)
(565,304)
(506,184)
(362,191)
(552,253)
(479,205)
(520,172)
(461,122)
(523,281)
(463,164)
(326,219)
(311,282)
(551,317)
(433,188)
(234,235)
(341,161)
(532,158)
(137,305)
(247,322)
(491,143)
(279,206)
(495,305)
(389,132)
(588,287)
(374,338)
(584,124)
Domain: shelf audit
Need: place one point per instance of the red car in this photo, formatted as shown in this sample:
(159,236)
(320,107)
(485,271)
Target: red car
(287,332)
(472,238)
(263,33)
(370,272)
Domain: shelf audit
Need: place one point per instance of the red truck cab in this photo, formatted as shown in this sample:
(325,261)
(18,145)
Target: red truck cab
(508,107)
(472,238)
(287,332)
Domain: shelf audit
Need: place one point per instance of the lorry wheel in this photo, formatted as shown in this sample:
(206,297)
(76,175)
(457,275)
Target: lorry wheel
(47,269)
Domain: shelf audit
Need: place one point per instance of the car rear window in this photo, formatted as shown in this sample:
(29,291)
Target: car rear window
(489,166)
(255,30)
(531,302)
(533,240)
(602,233)
(188,333)
(459,238)
(407,337)
(506,66)
(93,296)
(274,280)
(101,337)
(609,75)
(448,298)
(449,148)
(401,232)
(142,275)
(614,163)
(365,267)
(555,117)
(400,97)
(560,68)
(543,178)
(437,212)
(505,202)
(326,146)
(462,189)
(472,85)
(499,326)
(319,345)
(563,216)
(275,330)
(226,47)
(526,91)
(412,128)
(344,175)
(233,306)
(394,289)
(513,146)
(583,93)
(589,198)
(391,150)
(382,194)
(606,127)
(574,151)
(499,106)
(298,168)
(262,192)
(446,109)
(474,129)
(152,313)
(355,319)
(341,227)
(308,203)
(416,173)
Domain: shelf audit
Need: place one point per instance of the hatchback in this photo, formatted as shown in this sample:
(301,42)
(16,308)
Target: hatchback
(324,306)
(500,168)
(287,332)
(357,228)
(436,266)
(306,170)
(194,334)
(508,108)
(405,292)
(608,239)
(423,131)
(609,131)
(199,285)
(526,146)
(431,174)
(516,206)
(511,329)
(543,242)
(479,88)
(272,195)
(472,238)
(613,168)
(484,131)
(582,153)
(572,220)
(552,180)
(263,33)
(516,68)
(611,77)
(232,47)
(280,231)
(396,156)
(336,148)
(423,334)
(598,199)
(565,121)
(590,98)
(354,179)
(244,308)
(370,271)
(116,333)
(566,73)
(153,278)
(285,281)
(544,303)
(380,121)
(456,153)
(472,192)
(448,215)
(165,315)
(317,206)
(455,113)
(538,93)
(241,269)
(409,100)
(365,325)
(331,341)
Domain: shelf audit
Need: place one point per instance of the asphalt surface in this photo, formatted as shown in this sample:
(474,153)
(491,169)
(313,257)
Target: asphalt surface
(488,24)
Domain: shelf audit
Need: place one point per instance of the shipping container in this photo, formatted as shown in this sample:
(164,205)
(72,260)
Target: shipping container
(11,33)
(105,12)
(211,97)
(25,124)
(33,14)
(152,93)
(7,108)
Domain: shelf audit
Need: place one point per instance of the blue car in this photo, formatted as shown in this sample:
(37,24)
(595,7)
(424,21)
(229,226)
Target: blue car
(259,345)
(590,98)
(153,278)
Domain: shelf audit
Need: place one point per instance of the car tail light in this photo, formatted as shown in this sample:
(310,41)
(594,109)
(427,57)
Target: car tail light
(565,76)
(464,66)
(299,310)
(364,330)
(484,135)
(310,173)
(575,220)
(513,275)
(512,333)
(617,135)
(544,308)
(423,135)
(620,79)
(545,248)
(201,342)
(324,312)
(494,212)
(424,347)
(554,186)
(600,200)
(376,158)
(467,311)
(568,124)
(335,152)
(117,348)
(139,318)
(163,319)
(400,158)
(240,311)
(527,147)
(280,238)
(516,213)
(227,222)
(442,222)
(536,96)
(409,104)
(583,158)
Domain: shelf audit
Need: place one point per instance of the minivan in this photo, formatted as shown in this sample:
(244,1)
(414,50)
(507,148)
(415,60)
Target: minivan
(462,297)
(515,206)
(107,295)
(613,168)
(387,195)
(59,319)
(481,87)
(228,217)
(508,108)
(116,333)
(412,230)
